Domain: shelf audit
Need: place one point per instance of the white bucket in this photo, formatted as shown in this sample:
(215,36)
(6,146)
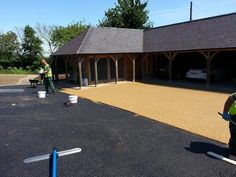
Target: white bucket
(42,94)
(73,98)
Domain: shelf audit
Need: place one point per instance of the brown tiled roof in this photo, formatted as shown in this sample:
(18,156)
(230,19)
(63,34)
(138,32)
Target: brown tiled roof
(210,33)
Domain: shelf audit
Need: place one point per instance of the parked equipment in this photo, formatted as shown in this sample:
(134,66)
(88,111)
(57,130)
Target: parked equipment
(33,83)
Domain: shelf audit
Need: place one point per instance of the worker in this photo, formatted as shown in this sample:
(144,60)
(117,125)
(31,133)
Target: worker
(47,77)
(229,114)
(41,75)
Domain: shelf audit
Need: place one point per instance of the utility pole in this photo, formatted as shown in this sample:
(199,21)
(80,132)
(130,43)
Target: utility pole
(191,10)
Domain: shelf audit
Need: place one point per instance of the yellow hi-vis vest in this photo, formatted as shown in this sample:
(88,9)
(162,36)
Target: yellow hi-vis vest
(49,71)
(232,109)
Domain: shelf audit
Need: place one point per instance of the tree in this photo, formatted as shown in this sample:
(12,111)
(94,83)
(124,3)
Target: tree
(127,14)
(45,34)
(9,47)
(112,18)
(31,47)
(62,35)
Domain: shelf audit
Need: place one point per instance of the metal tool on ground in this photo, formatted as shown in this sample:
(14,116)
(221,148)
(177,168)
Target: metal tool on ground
(53,157)
(67,104)
(229,120)
(220,157)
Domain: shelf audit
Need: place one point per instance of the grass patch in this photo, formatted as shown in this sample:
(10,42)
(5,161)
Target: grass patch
(16,71)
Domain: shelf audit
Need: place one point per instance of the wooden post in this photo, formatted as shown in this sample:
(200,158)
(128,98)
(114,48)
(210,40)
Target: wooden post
(66,68)
(133,58)
(209,56)
(89,70)
(170,70)
(117,70)
(133,70)
(80,72)
(170,57)
(108,69)
(116,59)
(55,68)
(96,71)
(142,65)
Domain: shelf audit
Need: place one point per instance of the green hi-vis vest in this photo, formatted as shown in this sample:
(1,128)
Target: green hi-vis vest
(49,71)
(232,109)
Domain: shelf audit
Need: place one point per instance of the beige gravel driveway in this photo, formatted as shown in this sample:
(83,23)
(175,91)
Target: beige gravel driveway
(15,79)
(191,110)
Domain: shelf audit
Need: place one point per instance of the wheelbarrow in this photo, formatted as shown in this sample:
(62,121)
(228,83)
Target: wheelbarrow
(33,83)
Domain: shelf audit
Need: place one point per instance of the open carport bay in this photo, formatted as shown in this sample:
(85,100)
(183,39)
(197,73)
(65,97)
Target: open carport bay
(114,142)
(222,68)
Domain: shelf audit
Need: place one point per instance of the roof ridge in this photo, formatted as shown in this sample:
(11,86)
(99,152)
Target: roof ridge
(83,40)
(193,21)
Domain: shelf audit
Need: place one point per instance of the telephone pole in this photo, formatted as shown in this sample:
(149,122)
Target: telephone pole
(191,10)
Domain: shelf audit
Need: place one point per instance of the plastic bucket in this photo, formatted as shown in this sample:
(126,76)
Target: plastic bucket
(73,99)
(42,94)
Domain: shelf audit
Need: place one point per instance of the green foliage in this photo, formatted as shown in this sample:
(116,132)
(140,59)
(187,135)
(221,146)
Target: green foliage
(127,14)
(14,70)
(112,18)
(62,35)
(9,47)
(31,47)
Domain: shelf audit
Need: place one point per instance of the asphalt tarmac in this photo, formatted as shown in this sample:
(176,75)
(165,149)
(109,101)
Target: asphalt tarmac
(114,142)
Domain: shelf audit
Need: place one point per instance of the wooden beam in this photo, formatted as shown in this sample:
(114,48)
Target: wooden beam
(108,69)
(133,57)
(133,70)
(89,70)
(117,70)
(142,65)
(170,70)
(96,71)
(116,60)
(55,59)
(170,56)
(66,68)
(209,55)
(80,72)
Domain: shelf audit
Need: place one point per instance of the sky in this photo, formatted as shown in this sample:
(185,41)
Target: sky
(19,13)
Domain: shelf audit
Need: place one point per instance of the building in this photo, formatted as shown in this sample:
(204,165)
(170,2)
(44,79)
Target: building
(107,54)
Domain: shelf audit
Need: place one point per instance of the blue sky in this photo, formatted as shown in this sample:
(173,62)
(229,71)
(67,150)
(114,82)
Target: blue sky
(18,13)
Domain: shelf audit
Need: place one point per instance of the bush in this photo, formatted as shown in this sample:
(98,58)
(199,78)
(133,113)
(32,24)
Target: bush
(15,70)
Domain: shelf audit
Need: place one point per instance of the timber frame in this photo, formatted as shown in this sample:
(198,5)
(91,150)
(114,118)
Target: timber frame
(121,53)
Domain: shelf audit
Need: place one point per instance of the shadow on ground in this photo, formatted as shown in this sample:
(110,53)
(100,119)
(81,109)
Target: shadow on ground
(203,147)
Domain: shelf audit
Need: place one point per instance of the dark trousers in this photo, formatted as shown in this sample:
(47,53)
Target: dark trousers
(232,129)
(49,83)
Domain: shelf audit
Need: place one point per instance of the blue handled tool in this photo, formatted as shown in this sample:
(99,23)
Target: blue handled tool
(53,157)
(229,120)
(54,162)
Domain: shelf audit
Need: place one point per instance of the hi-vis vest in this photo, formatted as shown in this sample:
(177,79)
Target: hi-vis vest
(49,71)
(232,109)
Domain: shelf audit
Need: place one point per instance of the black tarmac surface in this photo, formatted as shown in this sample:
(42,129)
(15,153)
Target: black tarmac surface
(114,143)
